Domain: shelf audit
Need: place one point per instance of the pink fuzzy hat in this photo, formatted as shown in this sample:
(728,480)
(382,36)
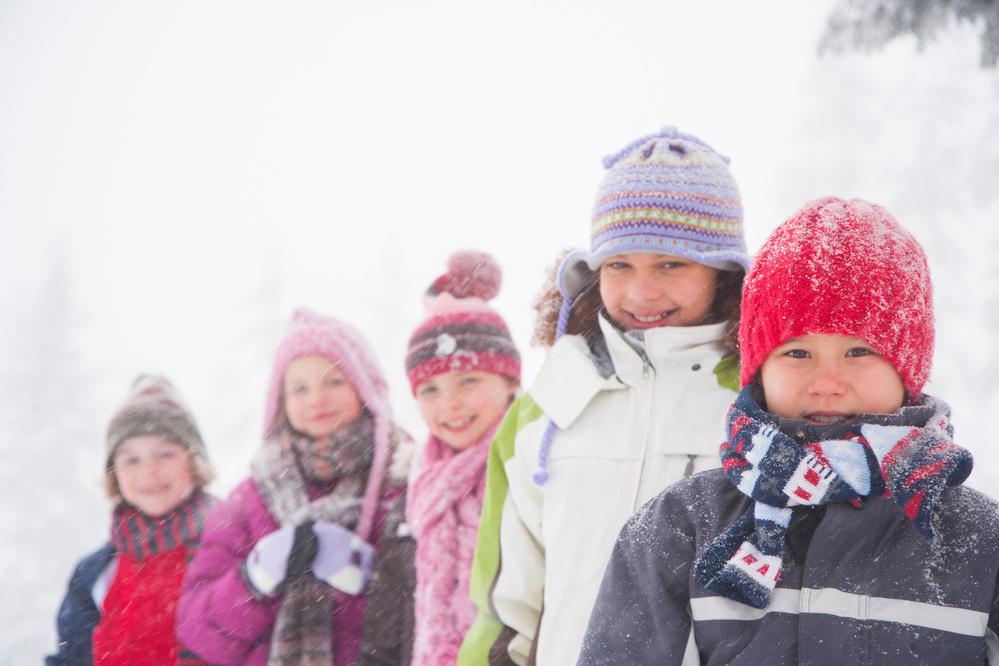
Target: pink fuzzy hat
(310,333)
(461,332)
(844,268)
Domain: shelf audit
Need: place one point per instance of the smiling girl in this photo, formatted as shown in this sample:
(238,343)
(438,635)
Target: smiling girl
(122,599)
(629,400)
(463,369)
(282,575)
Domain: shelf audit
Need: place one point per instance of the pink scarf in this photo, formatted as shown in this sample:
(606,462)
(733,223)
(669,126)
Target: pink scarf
(445,500)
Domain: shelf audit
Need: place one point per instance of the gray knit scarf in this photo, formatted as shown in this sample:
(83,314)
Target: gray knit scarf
(283,470)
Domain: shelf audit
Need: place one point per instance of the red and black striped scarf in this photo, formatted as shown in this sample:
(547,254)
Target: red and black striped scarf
(139,536)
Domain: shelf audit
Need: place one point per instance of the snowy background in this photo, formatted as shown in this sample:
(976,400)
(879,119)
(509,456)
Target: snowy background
(175,177)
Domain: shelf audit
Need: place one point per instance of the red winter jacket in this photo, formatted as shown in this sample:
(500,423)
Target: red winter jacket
(137,619)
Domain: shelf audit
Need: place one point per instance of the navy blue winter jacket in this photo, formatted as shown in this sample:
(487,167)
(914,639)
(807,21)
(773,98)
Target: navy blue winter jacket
(78,614)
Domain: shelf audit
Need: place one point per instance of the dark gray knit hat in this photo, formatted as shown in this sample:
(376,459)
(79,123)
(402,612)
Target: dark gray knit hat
(153,407)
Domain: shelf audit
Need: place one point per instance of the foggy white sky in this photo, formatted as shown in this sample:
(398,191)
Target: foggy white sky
(197,169)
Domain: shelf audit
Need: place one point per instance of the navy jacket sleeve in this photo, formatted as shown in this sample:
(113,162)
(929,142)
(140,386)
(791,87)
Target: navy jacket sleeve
(641,614)
(78,614)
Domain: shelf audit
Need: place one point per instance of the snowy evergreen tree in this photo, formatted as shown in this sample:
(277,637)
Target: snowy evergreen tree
(868,25)
(52,451)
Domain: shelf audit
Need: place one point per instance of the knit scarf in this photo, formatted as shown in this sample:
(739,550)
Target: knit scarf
(283,470)
(138,536)
(445,500)
(782,464)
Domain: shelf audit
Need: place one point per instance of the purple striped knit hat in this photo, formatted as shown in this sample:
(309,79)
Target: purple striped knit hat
(667,193)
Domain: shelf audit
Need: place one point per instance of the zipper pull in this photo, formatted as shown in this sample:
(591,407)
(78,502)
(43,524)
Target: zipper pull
(645,368)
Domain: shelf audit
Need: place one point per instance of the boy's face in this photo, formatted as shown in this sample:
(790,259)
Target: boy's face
(459,407)
(153,473)
(825,379)
(318,398)
(644,290)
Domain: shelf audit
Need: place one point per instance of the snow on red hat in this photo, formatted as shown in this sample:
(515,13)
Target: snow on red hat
(461,331)
(844,268)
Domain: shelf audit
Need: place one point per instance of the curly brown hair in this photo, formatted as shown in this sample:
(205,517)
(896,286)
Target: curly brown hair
(587,306)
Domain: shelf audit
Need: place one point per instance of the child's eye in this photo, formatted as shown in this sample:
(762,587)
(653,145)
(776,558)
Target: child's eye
(426,390)
(337,381)
(796,353)
(167,454)
(861,351)
(670,265)
(126,461)
(297,390)
(468,381)
(617,265)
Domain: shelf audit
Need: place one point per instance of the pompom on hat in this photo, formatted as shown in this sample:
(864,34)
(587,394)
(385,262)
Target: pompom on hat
(153,407)
(844,268)
(461,332)
(310,333)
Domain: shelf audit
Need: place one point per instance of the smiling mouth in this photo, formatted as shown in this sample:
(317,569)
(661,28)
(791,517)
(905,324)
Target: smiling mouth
(458,425)
(656,318)
(827,419)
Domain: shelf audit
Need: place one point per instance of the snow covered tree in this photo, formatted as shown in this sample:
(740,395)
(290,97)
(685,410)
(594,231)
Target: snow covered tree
(867,25)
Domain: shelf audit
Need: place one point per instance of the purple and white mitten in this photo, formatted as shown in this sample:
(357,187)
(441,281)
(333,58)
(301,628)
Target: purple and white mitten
(267,564)
(344,559)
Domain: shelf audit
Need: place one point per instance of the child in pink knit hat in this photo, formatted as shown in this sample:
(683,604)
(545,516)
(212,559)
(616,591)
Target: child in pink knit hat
(463,369)
(283,575)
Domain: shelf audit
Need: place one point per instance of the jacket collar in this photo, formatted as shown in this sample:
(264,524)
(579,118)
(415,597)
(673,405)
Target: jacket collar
(632,351)
(569,378)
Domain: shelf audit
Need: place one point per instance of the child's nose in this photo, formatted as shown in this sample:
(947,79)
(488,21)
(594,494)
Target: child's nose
(827,379)
(645,288)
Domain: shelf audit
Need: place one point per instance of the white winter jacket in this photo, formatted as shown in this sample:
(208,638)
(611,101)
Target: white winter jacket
(622,438)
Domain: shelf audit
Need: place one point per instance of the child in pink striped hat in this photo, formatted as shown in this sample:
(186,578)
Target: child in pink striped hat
(463,368)
(283,574)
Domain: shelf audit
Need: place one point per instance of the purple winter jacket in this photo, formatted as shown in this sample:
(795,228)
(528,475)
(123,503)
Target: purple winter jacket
(219,618)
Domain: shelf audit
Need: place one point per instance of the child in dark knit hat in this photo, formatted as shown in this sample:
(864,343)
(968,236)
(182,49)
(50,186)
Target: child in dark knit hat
(463,369)
(282,573)
(122,599)
(629,400)
(837,531)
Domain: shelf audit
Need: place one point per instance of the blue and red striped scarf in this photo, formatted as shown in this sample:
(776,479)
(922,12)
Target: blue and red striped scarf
(139,536)
(783,464)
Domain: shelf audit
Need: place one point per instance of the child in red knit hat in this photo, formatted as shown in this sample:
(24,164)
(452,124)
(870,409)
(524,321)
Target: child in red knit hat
(837,530)
(122,599)
(463,368)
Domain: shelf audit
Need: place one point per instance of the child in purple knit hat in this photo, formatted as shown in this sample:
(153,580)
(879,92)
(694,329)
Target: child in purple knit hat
(283,575)
(640,370)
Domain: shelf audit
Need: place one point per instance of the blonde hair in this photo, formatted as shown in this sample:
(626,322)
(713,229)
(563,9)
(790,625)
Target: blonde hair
(201,475)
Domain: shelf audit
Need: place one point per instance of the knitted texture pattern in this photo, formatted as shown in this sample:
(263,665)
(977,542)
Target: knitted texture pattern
(310,333)
(153,407)
(846,268)
(139,536)
(908,456)
(672,193)
(445,500)
(461,332)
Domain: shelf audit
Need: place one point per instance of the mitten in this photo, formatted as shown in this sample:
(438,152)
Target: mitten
(344,559)
(281,555)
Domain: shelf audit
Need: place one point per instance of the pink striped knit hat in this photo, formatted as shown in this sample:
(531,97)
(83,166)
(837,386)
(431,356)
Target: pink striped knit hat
(310,333)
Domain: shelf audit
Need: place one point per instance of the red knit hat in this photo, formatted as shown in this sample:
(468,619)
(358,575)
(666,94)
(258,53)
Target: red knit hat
(845,268)
(461,332)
